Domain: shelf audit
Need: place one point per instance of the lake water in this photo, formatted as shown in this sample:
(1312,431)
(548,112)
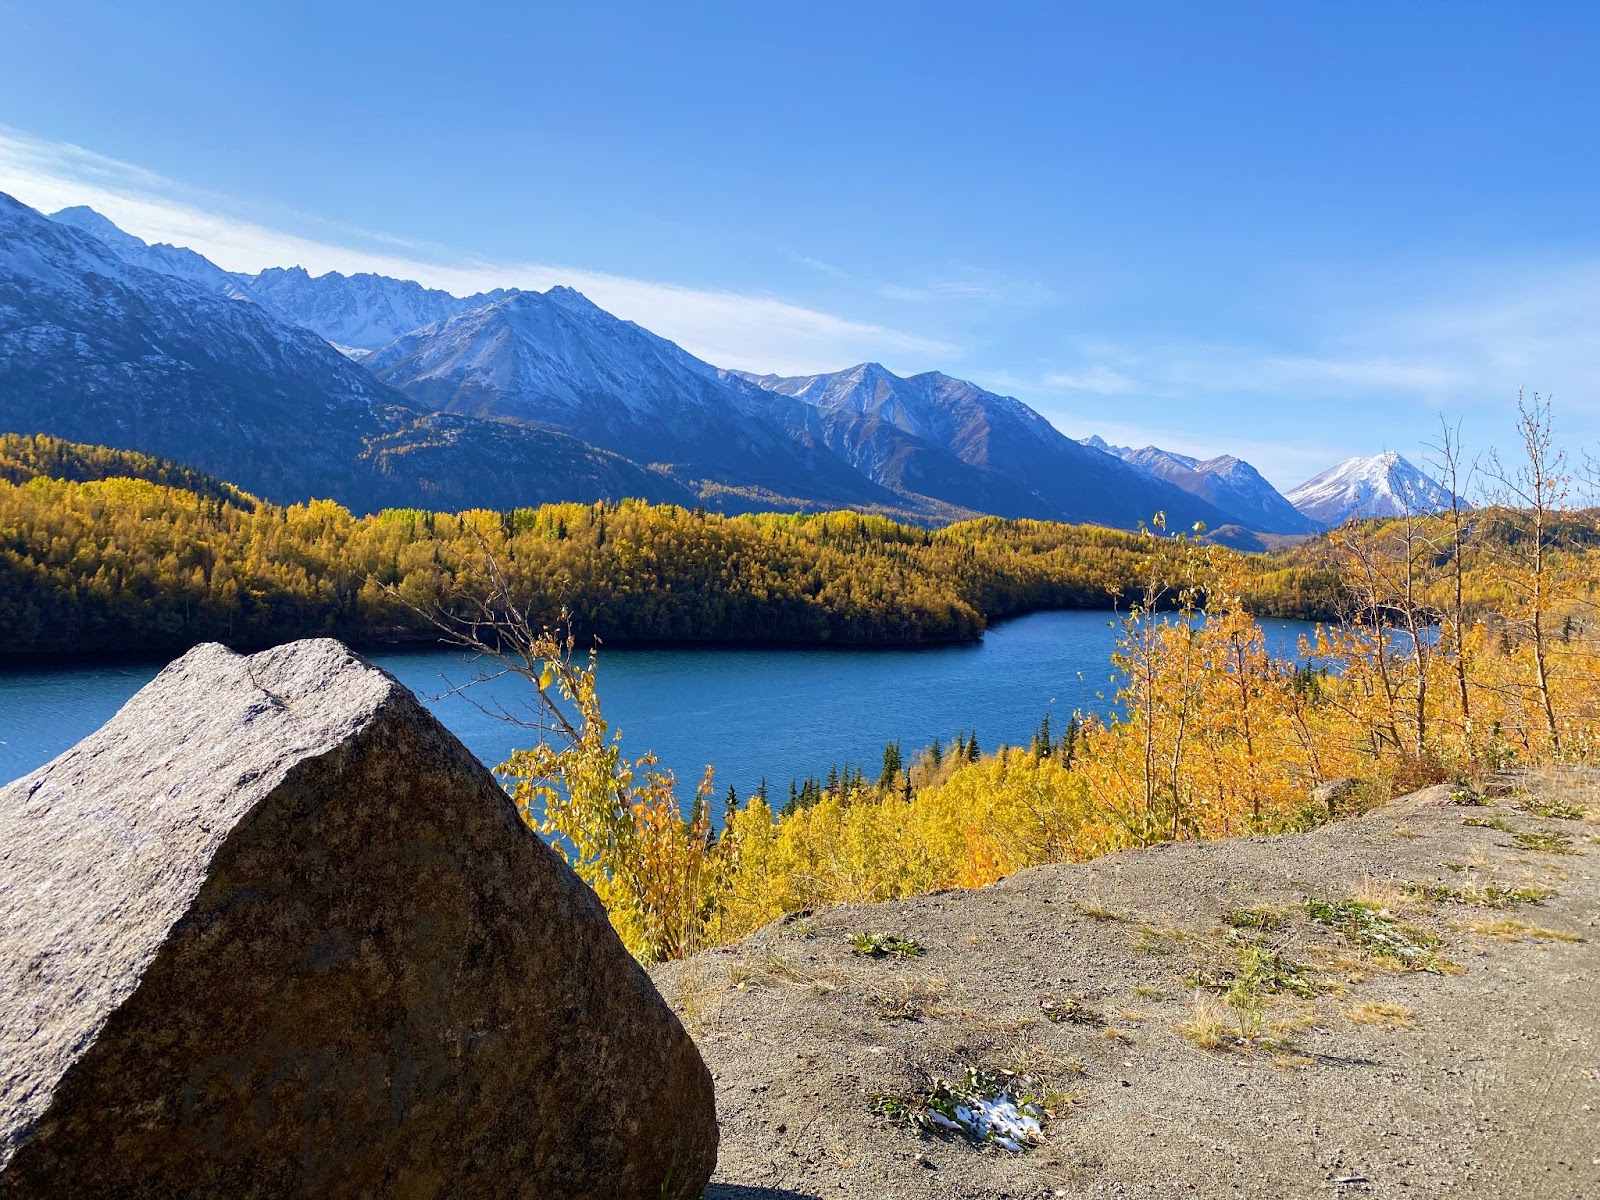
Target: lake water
(781,714)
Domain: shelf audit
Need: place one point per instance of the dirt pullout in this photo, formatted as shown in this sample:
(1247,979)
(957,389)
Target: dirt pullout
(1441,1037)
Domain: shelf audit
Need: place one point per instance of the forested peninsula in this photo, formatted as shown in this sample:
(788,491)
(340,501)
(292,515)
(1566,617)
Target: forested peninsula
(105,550)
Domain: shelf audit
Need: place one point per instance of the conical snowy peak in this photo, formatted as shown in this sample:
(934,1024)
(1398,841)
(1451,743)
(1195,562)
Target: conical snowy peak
(1381,485)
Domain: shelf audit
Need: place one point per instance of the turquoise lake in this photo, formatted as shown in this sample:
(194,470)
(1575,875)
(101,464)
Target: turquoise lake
(781,714)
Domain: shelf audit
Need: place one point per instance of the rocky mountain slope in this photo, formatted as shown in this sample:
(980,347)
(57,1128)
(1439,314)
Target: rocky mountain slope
(950,439)
(1101,989)
(362,311)
(558,361)
(95,348)
(1382,485)
(358,312)
(1230,483)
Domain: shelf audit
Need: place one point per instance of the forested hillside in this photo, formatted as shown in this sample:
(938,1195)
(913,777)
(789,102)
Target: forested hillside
(104,550)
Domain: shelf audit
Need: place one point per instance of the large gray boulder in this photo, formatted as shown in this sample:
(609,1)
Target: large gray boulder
(273,931)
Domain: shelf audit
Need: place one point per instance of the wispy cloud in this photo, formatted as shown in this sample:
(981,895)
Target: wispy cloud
(1522,325)
(728,328)
(1097,379)
(817,264)
(970,286)
(949,289)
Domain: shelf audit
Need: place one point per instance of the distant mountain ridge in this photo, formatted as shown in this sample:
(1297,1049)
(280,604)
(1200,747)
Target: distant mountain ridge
(361,312)
(458,376)
(950,439)
(1230,483)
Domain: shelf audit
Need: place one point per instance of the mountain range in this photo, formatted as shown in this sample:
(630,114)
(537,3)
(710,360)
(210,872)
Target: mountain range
(381,392)
(1230,483)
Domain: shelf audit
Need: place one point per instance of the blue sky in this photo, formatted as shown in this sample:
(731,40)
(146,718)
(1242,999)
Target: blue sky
(1294,232)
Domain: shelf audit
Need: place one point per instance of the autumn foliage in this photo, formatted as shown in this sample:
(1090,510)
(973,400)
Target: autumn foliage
(1211,736)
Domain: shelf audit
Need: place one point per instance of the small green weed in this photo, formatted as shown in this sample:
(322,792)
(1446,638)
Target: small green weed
(884,945)
(1544,843)
(1434,892)
(1552,811)
(1097,912)
(1499,823)
(1378,935)
(1260,917)
(984,1107)
(1490,896)
(1265,972)
(1258,970)
(1072,1009)
(1150,940)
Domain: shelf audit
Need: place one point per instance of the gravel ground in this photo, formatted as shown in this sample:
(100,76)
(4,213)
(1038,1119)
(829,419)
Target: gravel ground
(1477,1077)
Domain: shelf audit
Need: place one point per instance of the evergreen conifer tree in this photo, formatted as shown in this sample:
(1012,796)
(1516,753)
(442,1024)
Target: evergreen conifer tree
(890,775)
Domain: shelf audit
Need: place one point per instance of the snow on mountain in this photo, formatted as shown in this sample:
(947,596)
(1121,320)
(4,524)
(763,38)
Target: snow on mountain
(95,347)
(360,312)
(557,360)
(950,439)
(863,436)
(1095,442)
(363,311)
(1230,483)
(177,261)
(1382,485)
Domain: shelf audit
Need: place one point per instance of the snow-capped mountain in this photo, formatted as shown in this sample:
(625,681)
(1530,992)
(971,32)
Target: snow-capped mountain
(1230,483)
(177,261)
(953,441)
(361,311)
(96,348)
(927,445)
(1382,485)
(557,360)
(1096,442)
(354,312)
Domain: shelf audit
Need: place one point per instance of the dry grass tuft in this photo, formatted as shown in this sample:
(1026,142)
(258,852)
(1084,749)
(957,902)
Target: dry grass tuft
(1507,930)
(1388,1016)
(773,967)
(1096,911)
(1386,895)
(1210,1025)
(908,998)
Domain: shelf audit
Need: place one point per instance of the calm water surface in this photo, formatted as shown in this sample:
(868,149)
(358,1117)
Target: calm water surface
(777,713)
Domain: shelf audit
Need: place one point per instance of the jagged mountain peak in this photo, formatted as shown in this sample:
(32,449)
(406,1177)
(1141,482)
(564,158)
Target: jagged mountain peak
(951,439)
(575,301)
(1228,482)
(296,272)
(1095,442)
